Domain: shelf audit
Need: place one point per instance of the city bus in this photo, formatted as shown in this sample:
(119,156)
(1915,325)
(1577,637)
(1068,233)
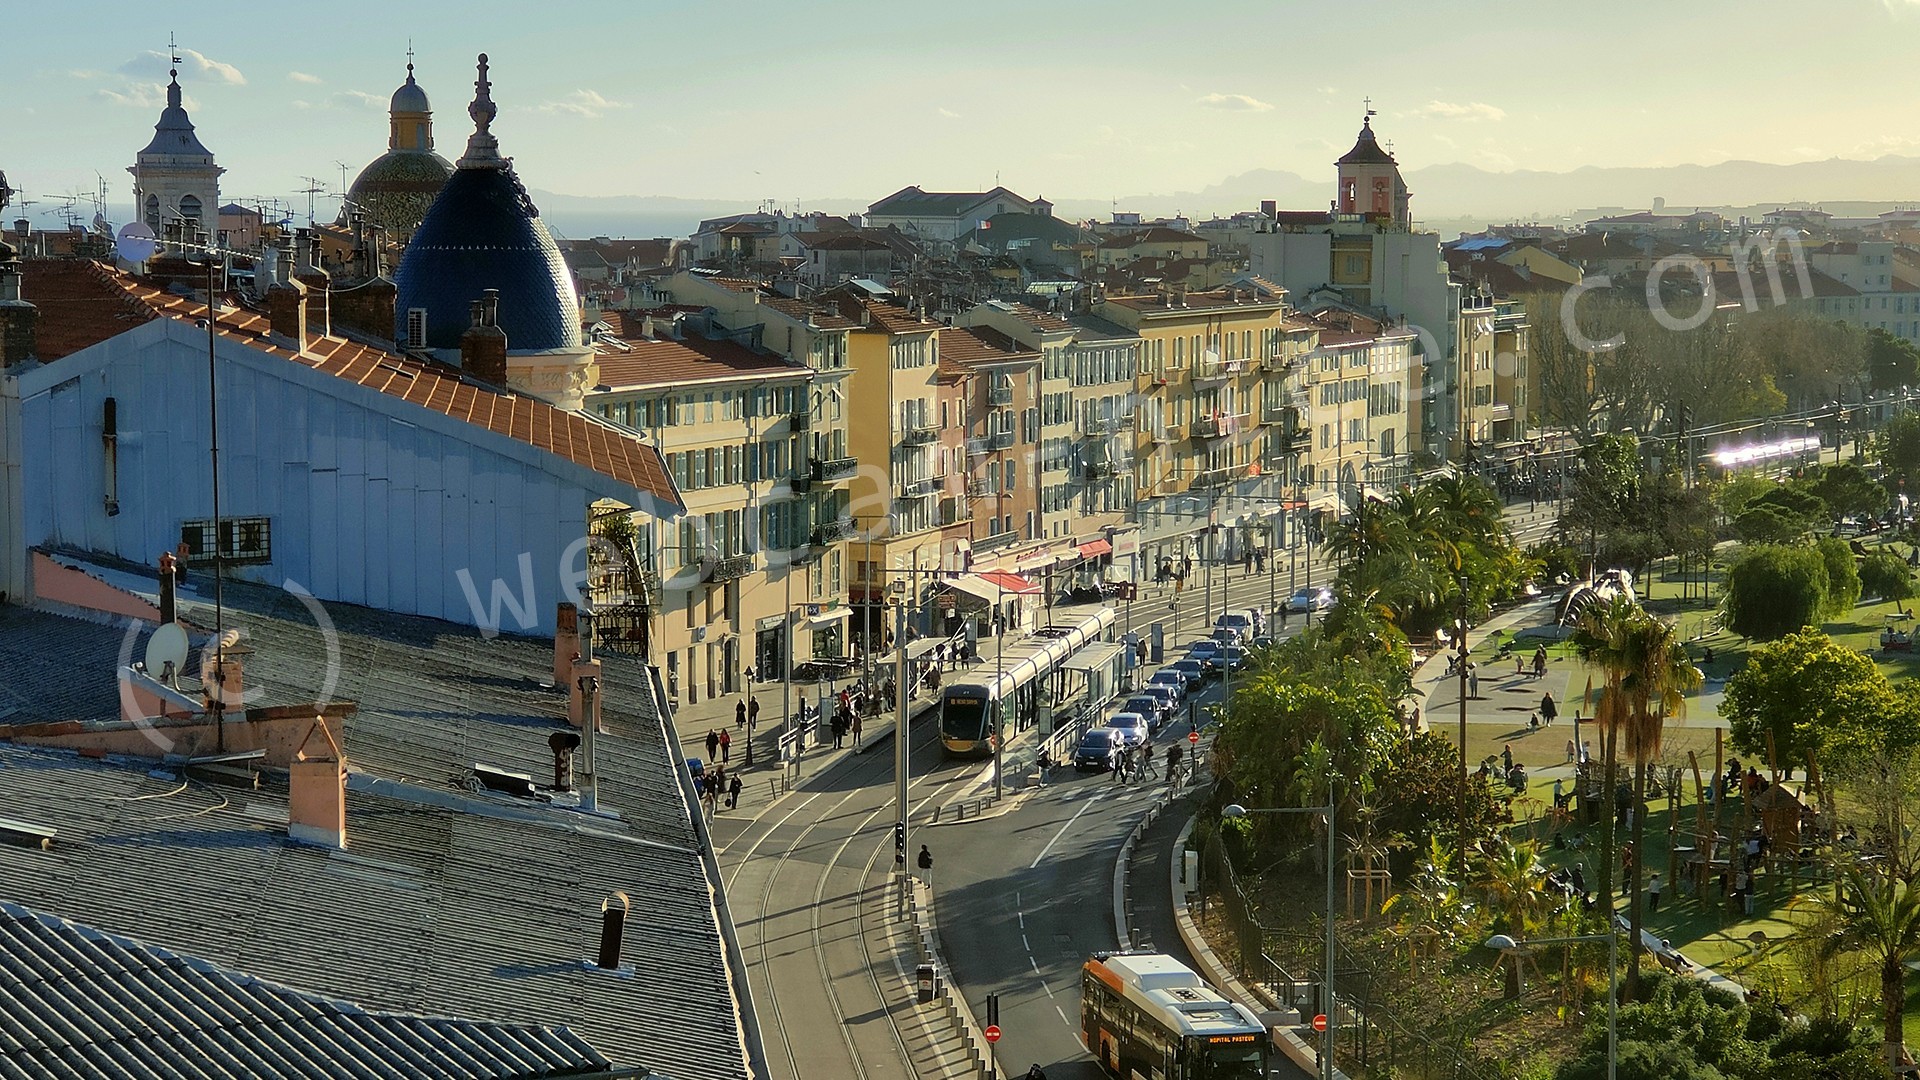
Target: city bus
(1146,1014)
(1026,675)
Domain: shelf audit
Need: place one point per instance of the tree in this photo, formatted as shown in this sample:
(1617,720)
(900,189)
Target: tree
(1891,362)
(1416,796)
(1775,589)
(1900,443)
(1802,693)
(1513,881)
(1843,576)
(1887,576)
(1847,489)
(1766,523)
(1601,639)
(1879,915)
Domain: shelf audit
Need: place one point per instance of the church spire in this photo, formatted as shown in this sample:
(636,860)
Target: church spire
(483,150)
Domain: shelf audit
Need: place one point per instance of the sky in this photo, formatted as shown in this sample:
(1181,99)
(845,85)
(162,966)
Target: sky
(829,99)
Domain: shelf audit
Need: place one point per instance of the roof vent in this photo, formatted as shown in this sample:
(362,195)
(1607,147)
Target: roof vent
(416,328)
(26,832)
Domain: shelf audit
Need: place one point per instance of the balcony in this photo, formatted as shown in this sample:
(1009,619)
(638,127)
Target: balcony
(800,419)
(1000,440)
(921,488)
(951,512)
(1217,426)
(1209,371)
(1096,470)
(999,395)
(730,568)
(828,470)
(799,482)
(1279,414)
(979,488)
(1097,427)
(995,541)
(832,532)
(918,435)
(1501,411)
(1213,479)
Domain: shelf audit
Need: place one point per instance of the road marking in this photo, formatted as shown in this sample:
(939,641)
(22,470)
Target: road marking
(1036,969)
(1063,1017)
(1021,915)
(1023,943)
(1062,832)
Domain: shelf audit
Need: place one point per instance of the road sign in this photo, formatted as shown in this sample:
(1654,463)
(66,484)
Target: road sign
(1320,1022)
(1193,736)
(992,1033)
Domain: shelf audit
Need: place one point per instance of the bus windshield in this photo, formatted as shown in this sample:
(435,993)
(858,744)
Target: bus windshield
(1230,1061)
(963,717)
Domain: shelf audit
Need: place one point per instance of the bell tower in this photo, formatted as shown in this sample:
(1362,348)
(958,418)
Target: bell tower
(1370,181)
(176,184)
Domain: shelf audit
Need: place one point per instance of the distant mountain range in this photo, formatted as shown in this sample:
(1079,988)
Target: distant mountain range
(1445,197)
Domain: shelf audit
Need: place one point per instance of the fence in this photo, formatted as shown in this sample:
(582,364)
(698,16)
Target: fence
(1374,1043)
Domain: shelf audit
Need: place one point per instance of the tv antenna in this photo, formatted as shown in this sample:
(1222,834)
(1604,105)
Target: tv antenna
(67,212)
(343,176)
(313,188)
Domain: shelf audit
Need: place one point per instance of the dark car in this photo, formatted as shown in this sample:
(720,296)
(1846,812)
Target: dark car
(1096,749)
(1152,706)
(1194,671)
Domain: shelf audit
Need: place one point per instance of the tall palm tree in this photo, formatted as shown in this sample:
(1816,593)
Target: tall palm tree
(1602,637)
(1656,686)
(1875,914)
(1513,881)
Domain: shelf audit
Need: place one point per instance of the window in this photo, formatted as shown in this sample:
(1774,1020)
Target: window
(242,540)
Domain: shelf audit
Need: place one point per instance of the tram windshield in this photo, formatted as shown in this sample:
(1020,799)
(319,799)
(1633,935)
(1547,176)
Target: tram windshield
(964,716)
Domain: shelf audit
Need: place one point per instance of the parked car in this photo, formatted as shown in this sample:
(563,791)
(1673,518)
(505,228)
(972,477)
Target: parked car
(1155,708)
(1131,726)
(1194,671)
(1226,636)
(1095,750)
(1239,622)
(1174,683)
(1206,651)
(1233,658)
(1311,598)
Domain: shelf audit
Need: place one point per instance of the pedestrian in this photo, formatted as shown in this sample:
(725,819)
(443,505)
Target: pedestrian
(708,790)
(733,791)
(753,714)
(1540,662)
(1186,567)
(1519,665)
(1473,680)
(1116,764)
(1586,752)
(1549,708)
(1148,769)
(1653,891)
(1173,761)
(1533,722)
(1246,564)
(856,733)
(726,744)
(1572,751)
(1285,609)
(713,745)
(1506,758)
(739,714)
(925,862)
(1559,793)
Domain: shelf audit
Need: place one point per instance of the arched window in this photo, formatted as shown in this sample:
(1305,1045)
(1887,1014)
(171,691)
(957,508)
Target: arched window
(190,207)
(153,213)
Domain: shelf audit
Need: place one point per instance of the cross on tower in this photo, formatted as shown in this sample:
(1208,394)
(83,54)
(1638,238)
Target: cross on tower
(173,50)
(409,56)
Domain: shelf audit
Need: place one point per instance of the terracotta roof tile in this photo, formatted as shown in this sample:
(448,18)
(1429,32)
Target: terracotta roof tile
(83,304)
(692,359)
(972,345)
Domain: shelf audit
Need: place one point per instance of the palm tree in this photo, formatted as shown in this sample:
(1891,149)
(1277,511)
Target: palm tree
(1876,914)
(1656,687)
(1602,639)
(1513,881)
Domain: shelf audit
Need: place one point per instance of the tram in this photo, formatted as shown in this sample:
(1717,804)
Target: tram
(1015,684)
(1146,1014)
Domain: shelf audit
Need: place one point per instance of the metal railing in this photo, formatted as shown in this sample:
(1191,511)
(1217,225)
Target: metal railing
(828,532)
(830,469)
(999,395)
(1000,440)
(800,419)
(730,568)
(995,541)
(979,487)
(918,434)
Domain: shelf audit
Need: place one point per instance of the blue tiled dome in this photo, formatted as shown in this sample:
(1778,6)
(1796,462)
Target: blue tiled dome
(483,232)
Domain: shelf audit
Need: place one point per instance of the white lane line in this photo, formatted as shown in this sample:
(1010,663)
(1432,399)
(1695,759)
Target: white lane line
(1063,1017)
(1023,943)
(1036,969)
(1063,831)
(1048,989)
(1022,916)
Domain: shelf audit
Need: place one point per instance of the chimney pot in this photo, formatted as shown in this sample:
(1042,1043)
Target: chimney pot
(483,348)
(18,339)
(317,790)
(563,744)
(566,642)
(613,927)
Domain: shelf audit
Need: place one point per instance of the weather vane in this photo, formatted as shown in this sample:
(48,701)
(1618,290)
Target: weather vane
(173,50)
(1367,102)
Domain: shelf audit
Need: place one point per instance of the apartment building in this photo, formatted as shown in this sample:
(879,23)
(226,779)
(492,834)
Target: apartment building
(731,424)
(996,384)
(1051,335)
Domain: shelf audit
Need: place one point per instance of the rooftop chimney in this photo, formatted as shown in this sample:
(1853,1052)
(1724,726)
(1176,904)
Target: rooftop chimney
(613,928)
(287,311)
(318,282)
(17,317)
(563,744)
(483,348)
(566,642)
(317,795)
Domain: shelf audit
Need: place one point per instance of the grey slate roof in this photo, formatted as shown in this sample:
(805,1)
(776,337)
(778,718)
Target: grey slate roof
(79,1003)
(445,902)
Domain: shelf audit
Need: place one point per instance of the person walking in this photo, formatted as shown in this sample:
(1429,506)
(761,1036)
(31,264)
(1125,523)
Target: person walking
(1653,891)
(1540,662)
(1117,765)
(1148,770)
(1548,708)
(726,744)
(739,714)
(1173,763)
(713,745)
(733,791)
(1473,680)
(1506,758)
(753,714)
(1572,751)
(925,862)
(856,733)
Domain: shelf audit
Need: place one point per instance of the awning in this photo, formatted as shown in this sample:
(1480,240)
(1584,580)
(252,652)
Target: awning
(1323,500)
(829,616)
(1093,548)
(993,585)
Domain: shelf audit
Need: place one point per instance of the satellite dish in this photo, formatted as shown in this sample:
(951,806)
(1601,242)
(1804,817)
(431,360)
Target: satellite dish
(137,243)
(167,651)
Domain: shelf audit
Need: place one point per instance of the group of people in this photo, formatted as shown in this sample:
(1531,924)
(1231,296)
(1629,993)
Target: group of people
(719,745)
(1130,764)
(715,785)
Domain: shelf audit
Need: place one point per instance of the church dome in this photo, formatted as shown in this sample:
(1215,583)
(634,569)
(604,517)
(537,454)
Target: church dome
(397,188)
(483,232)
(174,135)
(410,97)
(1366,148)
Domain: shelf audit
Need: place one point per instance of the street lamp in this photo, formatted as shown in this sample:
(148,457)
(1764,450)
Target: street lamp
(1505,945)
(1235,810)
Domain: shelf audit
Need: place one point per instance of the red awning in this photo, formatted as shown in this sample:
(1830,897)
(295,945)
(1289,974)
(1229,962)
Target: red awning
(1009,584)
(1094,547)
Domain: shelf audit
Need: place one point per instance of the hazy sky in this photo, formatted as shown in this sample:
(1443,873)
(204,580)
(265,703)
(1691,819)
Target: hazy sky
(1066,99)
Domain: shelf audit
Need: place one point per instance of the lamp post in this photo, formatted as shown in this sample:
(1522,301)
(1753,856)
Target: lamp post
(1505,945)
(1235,810)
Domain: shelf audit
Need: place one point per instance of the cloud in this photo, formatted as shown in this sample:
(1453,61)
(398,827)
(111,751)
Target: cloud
(303,77)
(144,95)
(1452,110)
(949,114)
(361,98)
(1328,90)
(589,104)
(85,73)
(1234,102)
(154,65)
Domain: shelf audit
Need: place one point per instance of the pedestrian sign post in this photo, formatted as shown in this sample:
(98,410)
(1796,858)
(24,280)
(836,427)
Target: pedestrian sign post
(992,1033)
(1193,736)
(1320,1022)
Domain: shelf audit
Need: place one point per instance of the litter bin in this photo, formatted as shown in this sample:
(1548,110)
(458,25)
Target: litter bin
(927,979)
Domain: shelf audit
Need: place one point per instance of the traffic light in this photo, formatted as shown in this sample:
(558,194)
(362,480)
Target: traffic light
(900,842)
